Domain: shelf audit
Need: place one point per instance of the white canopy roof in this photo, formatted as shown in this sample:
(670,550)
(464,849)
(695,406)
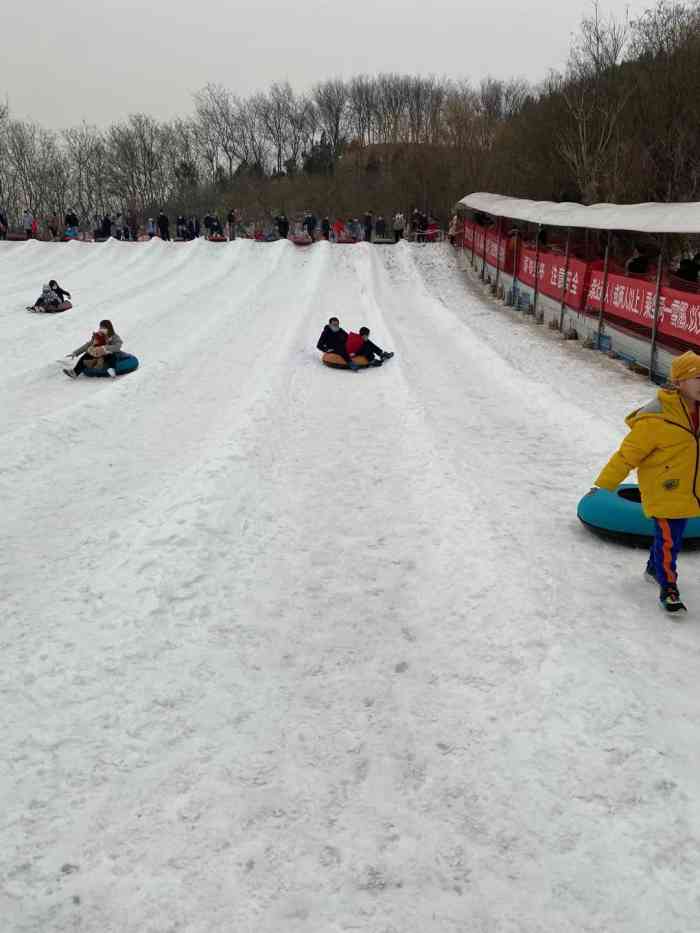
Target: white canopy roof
(644,218)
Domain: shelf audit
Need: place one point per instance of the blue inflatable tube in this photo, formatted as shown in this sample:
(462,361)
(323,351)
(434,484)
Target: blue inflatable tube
(618,516)
(126,363)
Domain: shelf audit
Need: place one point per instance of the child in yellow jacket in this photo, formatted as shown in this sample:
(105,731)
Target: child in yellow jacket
(664,447)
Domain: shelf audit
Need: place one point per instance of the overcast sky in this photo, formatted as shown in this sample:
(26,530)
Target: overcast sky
(64,61)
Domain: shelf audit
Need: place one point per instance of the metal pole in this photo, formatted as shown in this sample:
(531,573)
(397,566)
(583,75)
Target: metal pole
(606,266)
(516,260)
(566,280)
(498,253)
(483,259)
(537,270)
(657,304)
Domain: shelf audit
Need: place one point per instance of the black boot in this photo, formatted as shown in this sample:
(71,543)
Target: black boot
(670,598)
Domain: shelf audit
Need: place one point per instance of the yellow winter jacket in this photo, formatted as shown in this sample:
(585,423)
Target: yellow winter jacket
(665,451)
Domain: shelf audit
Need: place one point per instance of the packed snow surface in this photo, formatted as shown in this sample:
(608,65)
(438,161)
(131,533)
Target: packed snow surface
(293,650)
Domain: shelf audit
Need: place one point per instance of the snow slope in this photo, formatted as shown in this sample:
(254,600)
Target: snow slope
(291,649)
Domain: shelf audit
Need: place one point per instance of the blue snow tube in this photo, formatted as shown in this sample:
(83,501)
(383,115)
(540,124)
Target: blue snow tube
(125,363)
(618,516)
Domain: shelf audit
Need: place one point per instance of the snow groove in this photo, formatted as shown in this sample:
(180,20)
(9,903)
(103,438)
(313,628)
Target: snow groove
(288,648)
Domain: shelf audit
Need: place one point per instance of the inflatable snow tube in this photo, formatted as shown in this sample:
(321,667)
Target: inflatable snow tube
(64,306)
(125,363)
(302,239)
(618,516)
(335,361)
(217,238)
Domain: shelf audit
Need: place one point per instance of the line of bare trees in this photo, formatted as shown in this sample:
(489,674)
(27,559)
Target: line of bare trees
(141,164)
(622,122)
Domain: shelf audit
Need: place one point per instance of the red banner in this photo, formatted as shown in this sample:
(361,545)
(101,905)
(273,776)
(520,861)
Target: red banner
(499,250)
(627,297)
(489,240)
(550,274)
(633,299)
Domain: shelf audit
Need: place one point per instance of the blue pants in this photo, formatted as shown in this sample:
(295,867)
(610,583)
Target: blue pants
(668,538)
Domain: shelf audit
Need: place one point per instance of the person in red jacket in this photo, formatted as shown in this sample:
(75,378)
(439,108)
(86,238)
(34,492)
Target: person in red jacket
(360,345)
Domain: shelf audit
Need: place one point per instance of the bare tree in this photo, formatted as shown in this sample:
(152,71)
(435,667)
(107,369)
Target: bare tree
(362,109)
(331,99)
(218,117)
(85,149)
(274,111)
(665,49)
(595,98)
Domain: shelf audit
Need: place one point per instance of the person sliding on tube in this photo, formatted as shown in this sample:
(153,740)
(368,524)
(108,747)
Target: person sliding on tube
(49,300)
(333,339)
(98,352)
(360,345)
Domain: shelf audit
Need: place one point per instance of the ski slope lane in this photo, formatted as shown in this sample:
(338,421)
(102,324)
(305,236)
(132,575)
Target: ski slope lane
(292,648)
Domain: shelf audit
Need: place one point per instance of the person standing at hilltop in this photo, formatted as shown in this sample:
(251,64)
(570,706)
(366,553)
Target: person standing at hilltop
(163,226)
(27,223)
(368,225)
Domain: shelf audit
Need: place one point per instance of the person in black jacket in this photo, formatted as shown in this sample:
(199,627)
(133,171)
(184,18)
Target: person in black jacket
(638,263)
(687,270)
(163,226)
(310,224)
(333,339)
(374,355)
(283,227)
(368,223)
(326,228)
(71,219)
(61,292)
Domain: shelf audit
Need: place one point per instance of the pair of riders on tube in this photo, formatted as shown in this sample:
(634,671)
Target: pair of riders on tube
(52,297)
(334,339)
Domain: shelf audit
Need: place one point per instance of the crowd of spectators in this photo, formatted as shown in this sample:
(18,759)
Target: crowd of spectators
(420,226)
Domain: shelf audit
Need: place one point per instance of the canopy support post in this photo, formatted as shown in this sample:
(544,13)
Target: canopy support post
(566,280)
(516,260)
(537,270)
(657,305)
(498,253)
(606,266)
(473,240)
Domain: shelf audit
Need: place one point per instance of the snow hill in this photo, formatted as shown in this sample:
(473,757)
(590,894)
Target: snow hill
(292,650)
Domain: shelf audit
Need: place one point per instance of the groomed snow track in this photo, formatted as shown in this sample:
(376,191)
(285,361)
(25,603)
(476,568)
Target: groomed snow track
(292,650)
